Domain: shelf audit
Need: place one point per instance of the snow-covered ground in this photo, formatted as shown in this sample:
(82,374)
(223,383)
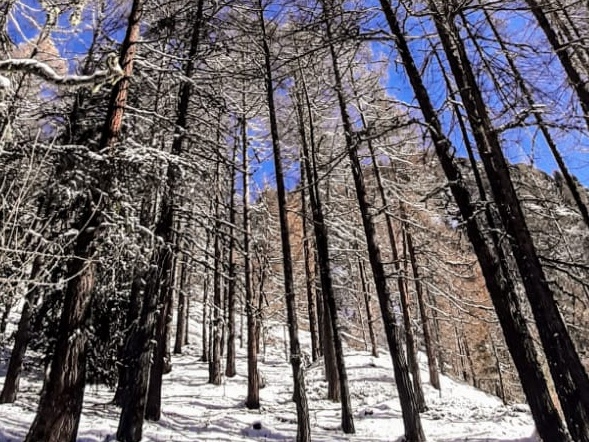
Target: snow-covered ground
(194,410)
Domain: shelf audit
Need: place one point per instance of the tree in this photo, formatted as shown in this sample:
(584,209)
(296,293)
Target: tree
(411,419)
(308,257)
(230,369)
(215,372)
(401,277)
(498,283)
(434,377)
(562,51)
(166,258)
(300,396)
(253,376)
(333,328)
(567,371)
(538,117)
(21,339)
(183,304)
(60,406)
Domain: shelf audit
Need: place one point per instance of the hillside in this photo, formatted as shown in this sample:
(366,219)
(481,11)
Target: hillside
(458,304)
(194,410)
(472,352)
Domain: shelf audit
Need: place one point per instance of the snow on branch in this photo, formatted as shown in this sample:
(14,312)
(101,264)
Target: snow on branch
(111,74)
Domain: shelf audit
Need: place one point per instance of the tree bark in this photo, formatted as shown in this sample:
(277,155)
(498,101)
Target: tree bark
(21,339)
(569,375)
(500,286)
(300,396)
(335,364)
(230,369)
(215,372)
(158,366)
(182,312)
(320,312)
(369,319)
(206,315)
(253,375)
(59,411)
(137,360)
(58,415)
(133,313)
(434,377)
(411,345)
(309,276)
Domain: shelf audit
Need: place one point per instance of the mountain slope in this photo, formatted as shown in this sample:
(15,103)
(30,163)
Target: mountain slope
(196,411)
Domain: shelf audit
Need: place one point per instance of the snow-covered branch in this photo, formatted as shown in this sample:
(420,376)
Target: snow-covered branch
(111,74)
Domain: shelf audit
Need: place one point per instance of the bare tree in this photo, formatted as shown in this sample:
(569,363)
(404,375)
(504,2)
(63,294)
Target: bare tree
(498,283)
(333,328)
(411,419)
(567,371)
(60,406)
(300,396)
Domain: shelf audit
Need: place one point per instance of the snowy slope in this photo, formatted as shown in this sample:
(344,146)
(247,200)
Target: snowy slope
(196,411)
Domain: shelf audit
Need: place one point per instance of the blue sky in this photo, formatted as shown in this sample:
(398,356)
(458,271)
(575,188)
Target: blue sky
(520,145)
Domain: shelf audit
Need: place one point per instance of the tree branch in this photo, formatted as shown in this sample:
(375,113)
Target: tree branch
(111,74)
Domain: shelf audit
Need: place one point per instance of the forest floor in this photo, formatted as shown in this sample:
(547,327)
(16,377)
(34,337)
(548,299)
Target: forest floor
(194,410)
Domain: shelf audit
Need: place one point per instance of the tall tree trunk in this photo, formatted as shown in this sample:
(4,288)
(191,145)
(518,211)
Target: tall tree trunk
(135,308)
(320,312)
(21,339)
(332,377)
(436,331)
(410,410)
(369,319)
(230,369)
(158,366)
(333,343)
(165,226)
(253,376)
(300,395)
(182,312)
(434,377)
(144,398)
(206,310)
(500,286)
(309,276)
(490,214)
(569,375)
(8,304)
(58,415)
(401,277)
(137,360)
(500,384)
(215,372)
(133,313)
(187,327)
(410,341)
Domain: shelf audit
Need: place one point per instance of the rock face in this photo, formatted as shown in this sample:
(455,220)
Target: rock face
(469,341)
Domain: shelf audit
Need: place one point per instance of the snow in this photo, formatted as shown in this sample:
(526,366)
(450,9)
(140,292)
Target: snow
(194,410)
(4,83)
